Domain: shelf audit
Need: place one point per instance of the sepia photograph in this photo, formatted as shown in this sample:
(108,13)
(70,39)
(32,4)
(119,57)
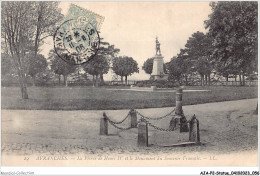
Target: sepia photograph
(129,83)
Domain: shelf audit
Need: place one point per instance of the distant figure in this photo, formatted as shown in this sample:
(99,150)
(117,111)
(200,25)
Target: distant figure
(158,50)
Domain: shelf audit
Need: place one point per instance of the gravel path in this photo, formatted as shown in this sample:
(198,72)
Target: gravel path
(225,127)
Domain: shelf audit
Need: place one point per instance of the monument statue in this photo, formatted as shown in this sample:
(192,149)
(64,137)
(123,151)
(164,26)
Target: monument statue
(158,72)
(158,50)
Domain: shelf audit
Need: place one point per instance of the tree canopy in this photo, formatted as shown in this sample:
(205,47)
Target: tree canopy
(60,67)
(233,25)
(37,64)
(125,66)
(148,66)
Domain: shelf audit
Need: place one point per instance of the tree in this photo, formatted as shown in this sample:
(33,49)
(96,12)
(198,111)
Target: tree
(47,15)
(36,65)
(125,66)
(199,50)
(108,52)
(204,68)
(23,26)
(233,25)
(148,66)
(17,31)
(175,68)
(97,66)
(60,67)
(178,68)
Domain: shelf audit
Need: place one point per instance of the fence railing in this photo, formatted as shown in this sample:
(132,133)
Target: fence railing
(130,82)
(234,83)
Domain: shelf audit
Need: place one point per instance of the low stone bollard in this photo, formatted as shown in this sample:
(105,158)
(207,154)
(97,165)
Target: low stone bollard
(104,125)
(178,110)
(174,123)
(133,118)
(142,140)
(194,134)
(183,124)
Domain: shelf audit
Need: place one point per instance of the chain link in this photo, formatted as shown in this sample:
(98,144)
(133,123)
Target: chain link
(143,119)
(119,121)
(157,118)
(158,128)
(120,128)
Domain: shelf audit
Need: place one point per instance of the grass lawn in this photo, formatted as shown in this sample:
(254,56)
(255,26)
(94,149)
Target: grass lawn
(87,98)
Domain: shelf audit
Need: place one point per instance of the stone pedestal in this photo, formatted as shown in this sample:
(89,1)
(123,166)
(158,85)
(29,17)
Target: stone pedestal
(158,72)
(103,126)
(178,110)
(194,134)
(142,140)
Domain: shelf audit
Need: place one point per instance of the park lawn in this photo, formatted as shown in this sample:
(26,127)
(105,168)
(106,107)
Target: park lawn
(104,98)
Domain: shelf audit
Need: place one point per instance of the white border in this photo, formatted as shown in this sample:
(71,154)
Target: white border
(129,170)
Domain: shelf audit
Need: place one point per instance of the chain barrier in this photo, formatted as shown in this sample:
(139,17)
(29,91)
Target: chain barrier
(156,127)
(157,118)
(114,123)
(120,128)
(121,120)
(143,119)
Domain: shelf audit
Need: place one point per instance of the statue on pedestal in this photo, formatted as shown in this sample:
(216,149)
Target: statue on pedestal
(157,49)
(158,71)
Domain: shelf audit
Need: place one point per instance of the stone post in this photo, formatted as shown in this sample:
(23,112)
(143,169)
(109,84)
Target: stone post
(183,124)
(133,118)
(194,133)
(142,140)
(174,123)
(104,125)
(178,110)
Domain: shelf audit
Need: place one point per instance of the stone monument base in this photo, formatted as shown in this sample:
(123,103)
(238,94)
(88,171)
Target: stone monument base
(159,77)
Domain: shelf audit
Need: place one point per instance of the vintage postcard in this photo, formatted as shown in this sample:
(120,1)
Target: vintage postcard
(129,83)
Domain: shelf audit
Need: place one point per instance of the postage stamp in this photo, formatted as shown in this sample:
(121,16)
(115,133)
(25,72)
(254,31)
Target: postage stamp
(77,40)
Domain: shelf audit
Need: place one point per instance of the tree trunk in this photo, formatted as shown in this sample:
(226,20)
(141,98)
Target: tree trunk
(59,79)
(209,79)
(226,80)
(33,78)
(96,80)
(23,84)
(24,92)
(206,80)
(202,80)
(78,75)
(122,79)
(93,80)
(186,80)
(243,76)
(101,79)
(24,87)
(65,81)
(240,79)
(126,80)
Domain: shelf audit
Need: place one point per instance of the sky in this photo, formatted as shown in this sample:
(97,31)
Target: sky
(133,26)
